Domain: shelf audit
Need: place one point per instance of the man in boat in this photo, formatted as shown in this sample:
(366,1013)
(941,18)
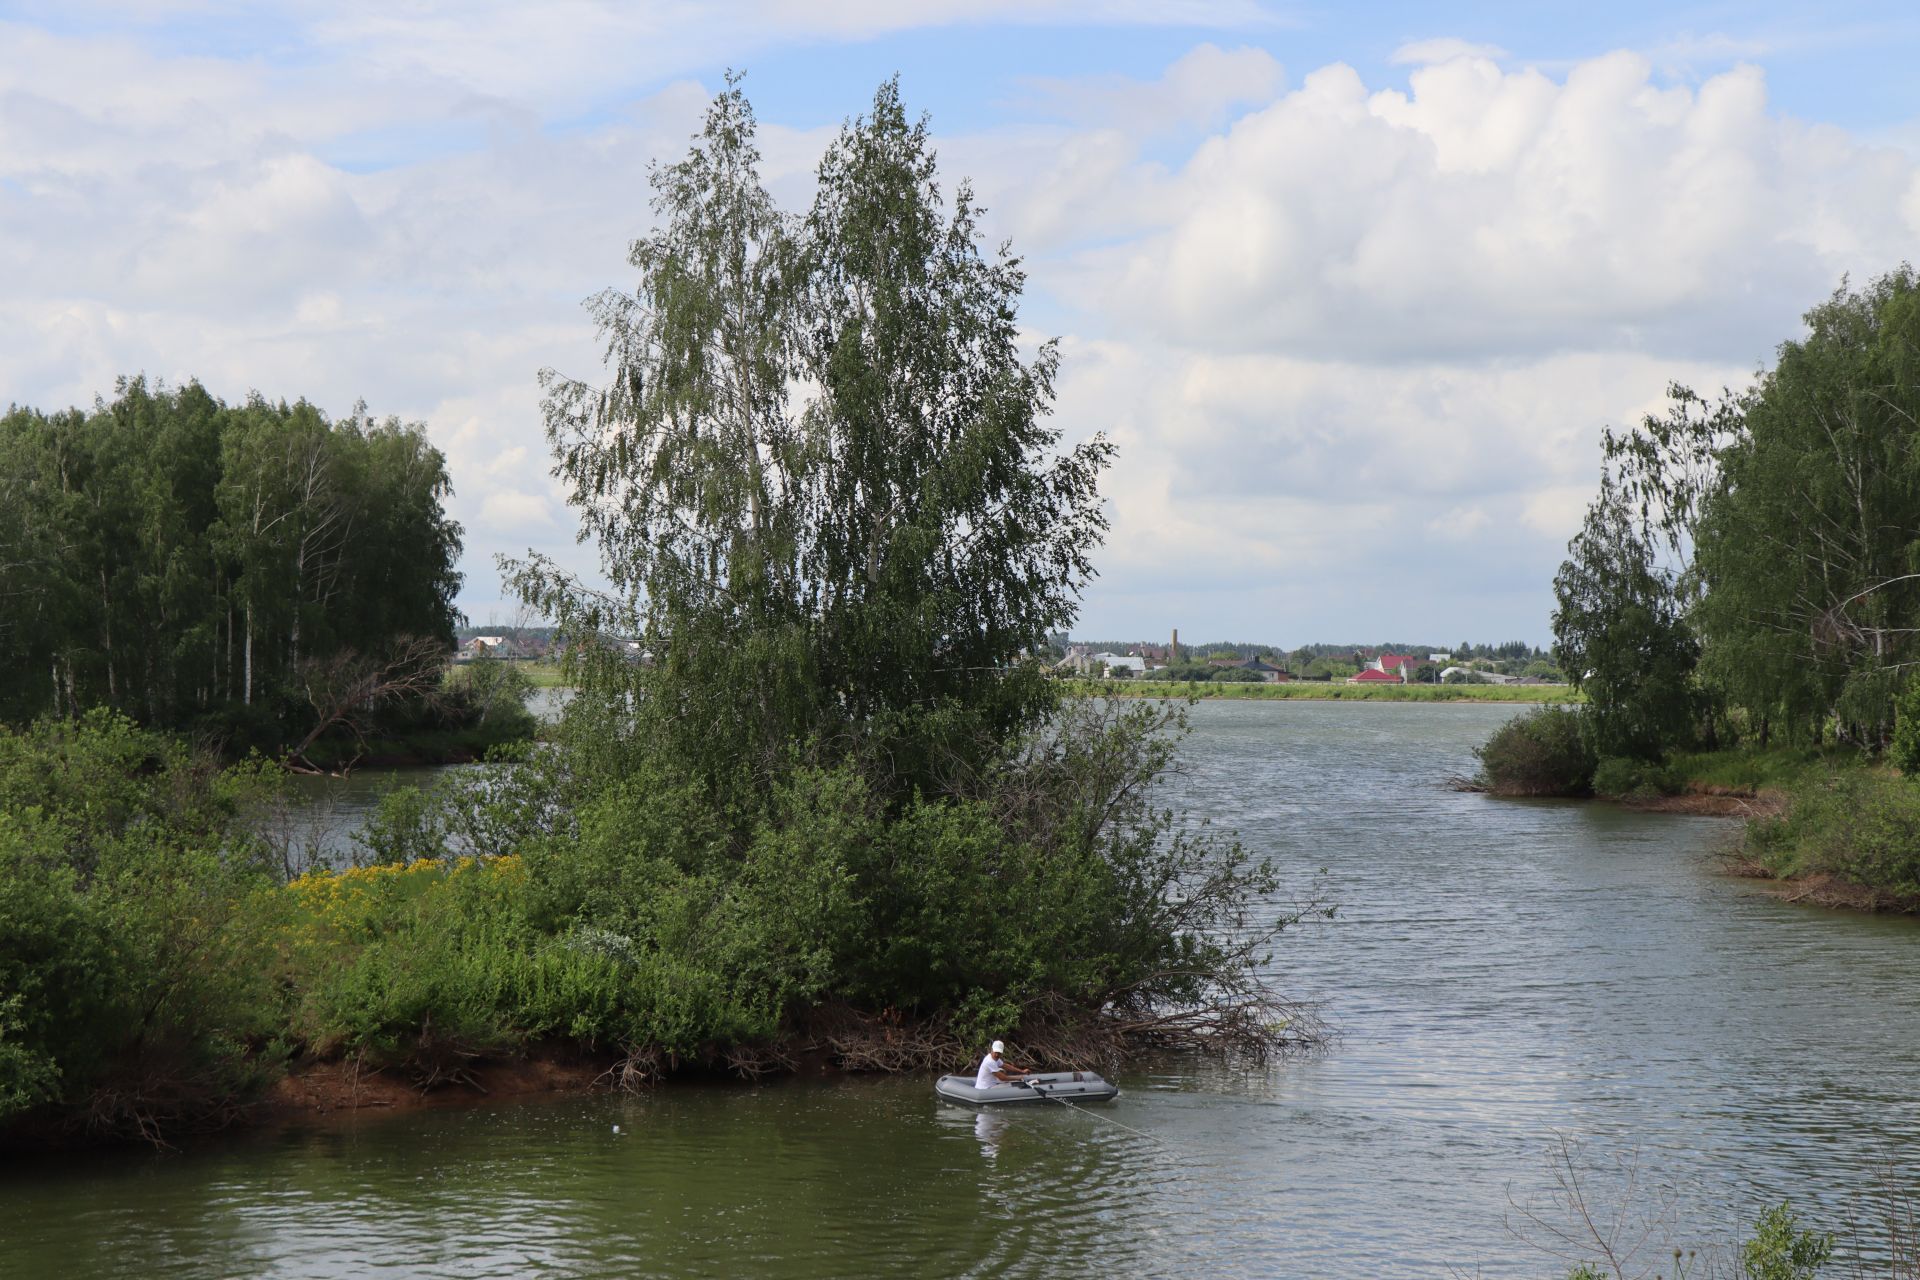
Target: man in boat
(996,1070)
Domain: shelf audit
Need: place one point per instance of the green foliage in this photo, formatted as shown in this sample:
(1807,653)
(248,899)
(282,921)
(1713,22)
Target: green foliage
(860,570)
(1326,691)
(1543,753)
(1752,770)
(1789,508)
(830,779)
(132,980)
(1821,466)
(1203,671)
(1780,1251)
(1904,752)
(1860,824)
(405,825)
(1619,634)
(182,560)
(494,692)
(1624,778)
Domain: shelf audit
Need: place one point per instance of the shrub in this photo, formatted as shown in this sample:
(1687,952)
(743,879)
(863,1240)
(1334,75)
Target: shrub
(405,825)
(430,965)
(1779,1251)
(1543,753)
(1904,751)
(1859,824)
(1622,778)
(135,984)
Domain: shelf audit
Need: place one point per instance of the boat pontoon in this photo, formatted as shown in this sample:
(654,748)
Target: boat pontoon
(1066,1086)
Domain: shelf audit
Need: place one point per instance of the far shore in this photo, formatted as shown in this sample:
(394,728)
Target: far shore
(1329,691)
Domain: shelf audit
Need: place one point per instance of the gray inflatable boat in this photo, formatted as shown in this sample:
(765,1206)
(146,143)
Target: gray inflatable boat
(1067,1086)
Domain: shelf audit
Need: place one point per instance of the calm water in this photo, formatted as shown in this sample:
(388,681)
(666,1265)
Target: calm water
(1499,973)
(320,828)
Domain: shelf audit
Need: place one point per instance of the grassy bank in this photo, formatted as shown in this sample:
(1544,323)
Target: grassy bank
(1333,691)
(1832,825)
(544,673)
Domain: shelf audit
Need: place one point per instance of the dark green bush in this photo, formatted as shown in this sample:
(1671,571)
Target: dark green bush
(134,994)
(1542,753)
(1859,824)
(1904,751)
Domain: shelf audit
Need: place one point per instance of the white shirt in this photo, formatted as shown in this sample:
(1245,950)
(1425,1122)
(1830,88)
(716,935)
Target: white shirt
(983,1078)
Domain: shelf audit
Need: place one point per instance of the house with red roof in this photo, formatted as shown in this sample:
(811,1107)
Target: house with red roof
(1374,675)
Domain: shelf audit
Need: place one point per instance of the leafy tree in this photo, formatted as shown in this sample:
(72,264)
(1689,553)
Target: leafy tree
(1788,509)
(834,521)
(1620,637)
(1807,551)
(864,568)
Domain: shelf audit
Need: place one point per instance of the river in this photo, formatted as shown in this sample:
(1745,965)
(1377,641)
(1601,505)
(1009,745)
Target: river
(1499,974)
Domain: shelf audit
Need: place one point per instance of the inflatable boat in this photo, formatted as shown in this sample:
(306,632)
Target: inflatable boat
(1067,1086)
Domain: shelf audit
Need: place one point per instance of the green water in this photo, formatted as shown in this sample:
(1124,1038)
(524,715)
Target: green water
(1500,973)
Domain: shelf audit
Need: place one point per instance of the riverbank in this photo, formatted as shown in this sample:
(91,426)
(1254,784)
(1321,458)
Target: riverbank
(321,1088)
(1825,829)
(1831,826)
(1330,691)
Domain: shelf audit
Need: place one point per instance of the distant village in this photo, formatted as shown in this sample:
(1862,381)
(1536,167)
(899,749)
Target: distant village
(1514,662)
(1511,663)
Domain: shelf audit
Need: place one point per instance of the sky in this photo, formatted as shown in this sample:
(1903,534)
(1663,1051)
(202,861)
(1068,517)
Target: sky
(1354,289)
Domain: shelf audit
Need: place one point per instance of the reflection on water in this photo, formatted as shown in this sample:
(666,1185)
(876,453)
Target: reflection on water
(987,1127)
(1499,972)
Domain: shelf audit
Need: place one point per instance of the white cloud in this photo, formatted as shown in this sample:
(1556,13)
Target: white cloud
(1198,88)
(510,510)
(1498,213)
(1444,49)
(1356,349)
(1459,524)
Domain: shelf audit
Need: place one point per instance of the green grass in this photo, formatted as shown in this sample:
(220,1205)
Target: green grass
(1333,691)
(544,673)
(1752,770)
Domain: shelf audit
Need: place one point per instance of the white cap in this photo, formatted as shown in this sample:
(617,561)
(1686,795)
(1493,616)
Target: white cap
(999,1046)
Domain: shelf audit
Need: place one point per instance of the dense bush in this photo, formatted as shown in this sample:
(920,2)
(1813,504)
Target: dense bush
(1860,824)
(133,987)
(1904,750)
(647,921)
(1543,753)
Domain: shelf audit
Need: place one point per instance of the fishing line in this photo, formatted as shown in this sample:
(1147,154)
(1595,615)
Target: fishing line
(1094,1115)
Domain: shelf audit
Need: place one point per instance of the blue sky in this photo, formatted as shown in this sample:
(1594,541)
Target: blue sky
(1355,289)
